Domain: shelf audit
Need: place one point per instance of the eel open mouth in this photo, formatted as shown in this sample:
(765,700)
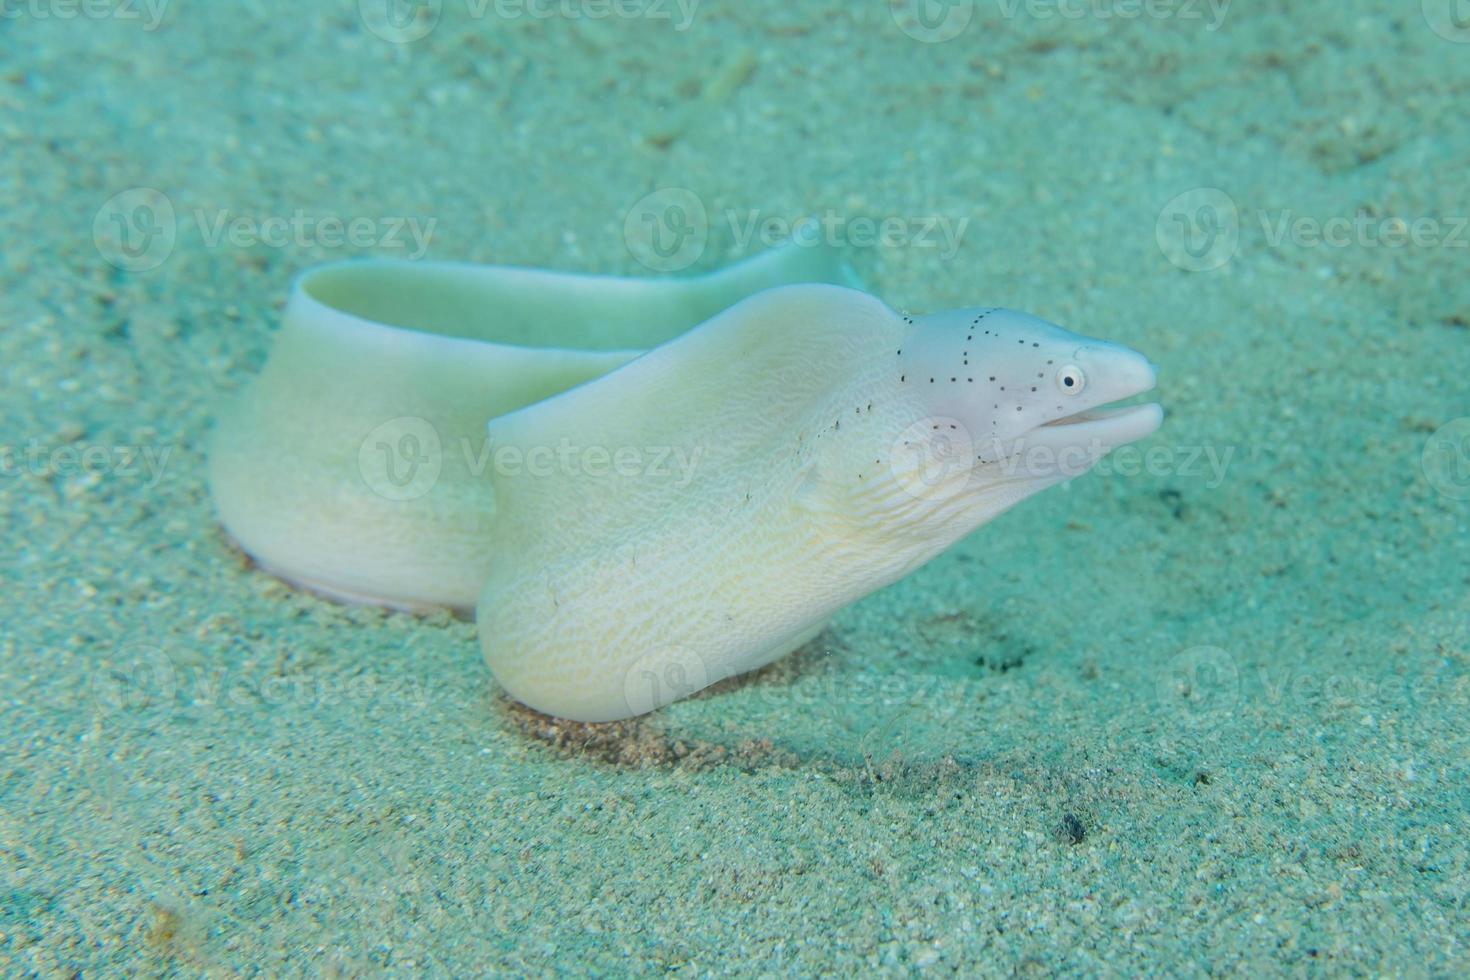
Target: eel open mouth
(1099,430)
(1105,414)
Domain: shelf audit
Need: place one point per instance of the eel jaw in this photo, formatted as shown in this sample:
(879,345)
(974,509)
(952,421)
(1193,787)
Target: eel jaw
(1105,427)
(1067,447)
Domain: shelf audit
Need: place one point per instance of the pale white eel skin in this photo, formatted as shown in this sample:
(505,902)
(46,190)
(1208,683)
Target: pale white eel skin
(632,527)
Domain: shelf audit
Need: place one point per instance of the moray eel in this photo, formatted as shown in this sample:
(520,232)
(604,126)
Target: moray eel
(644,486)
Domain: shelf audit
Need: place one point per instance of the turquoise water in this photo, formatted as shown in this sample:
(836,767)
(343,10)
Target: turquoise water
(1200,711)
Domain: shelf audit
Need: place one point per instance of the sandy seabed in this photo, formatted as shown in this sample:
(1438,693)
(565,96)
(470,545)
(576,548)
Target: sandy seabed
(1201,712)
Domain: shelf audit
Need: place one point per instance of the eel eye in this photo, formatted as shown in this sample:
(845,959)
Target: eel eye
(1071,380)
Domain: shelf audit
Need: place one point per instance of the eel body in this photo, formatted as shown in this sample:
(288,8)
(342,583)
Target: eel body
(644,486)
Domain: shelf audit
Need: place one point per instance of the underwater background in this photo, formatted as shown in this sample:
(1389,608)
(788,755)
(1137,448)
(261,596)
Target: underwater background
(1202,711)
